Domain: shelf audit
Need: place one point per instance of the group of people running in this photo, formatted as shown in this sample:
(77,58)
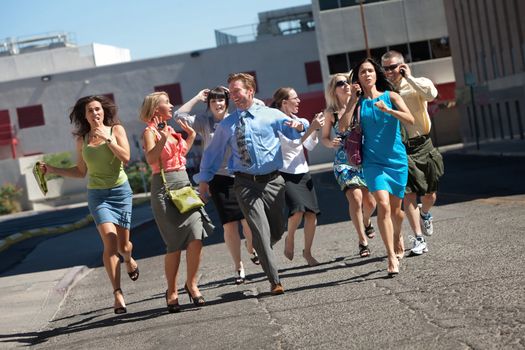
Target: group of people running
(254,167)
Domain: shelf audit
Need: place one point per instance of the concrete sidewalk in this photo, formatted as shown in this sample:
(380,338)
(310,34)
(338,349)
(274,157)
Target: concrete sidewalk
(30,299)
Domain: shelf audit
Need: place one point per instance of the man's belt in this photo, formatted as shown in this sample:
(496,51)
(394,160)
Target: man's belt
(259,178)
(417,141)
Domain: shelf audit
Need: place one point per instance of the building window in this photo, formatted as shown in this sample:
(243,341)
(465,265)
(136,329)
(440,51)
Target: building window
(6,131)
(356,57)
(440,47)
(402,49)
(313,72)
(4,117)
(420,51)
(338,63)
(377,53)
(30,116)
(333,4)
(174,93)
(328,4)
(110,96)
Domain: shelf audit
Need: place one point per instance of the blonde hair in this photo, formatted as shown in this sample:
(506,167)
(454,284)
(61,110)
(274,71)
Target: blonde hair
(149,105)
(332,102)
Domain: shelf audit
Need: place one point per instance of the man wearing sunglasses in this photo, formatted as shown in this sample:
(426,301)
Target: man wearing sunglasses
(425,164)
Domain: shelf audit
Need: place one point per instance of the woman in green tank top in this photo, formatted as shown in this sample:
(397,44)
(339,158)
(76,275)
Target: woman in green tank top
(102,149)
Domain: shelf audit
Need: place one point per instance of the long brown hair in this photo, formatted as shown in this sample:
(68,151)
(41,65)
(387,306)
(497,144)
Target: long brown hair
(77,116)
(281,94)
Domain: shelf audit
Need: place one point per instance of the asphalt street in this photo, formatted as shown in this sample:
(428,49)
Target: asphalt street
(467,292)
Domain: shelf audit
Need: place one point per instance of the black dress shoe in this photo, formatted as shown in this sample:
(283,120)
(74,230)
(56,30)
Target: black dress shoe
(197,301)
(121,309)
(174,307)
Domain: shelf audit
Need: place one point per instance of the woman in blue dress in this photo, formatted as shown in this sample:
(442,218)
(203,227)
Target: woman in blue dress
(385,165)
(350,178)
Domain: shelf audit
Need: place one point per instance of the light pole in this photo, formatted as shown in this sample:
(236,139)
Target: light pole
(406,30)
(361,8)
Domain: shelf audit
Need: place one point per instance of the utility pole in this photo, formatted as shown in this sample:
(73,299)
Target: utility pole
(361,8)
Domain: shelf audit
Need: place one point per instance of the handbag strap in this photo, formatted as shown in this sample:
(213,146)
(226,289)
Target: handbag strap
(160,163)
(356,117)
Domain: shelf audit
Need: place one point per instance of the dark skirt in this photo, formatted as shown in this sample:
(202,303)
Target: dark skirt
(177,230)
(224,199)
(300,193)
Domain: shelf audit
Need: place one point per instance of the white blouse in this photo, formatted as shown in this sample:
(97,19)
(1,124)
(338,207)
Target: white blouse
(294,159)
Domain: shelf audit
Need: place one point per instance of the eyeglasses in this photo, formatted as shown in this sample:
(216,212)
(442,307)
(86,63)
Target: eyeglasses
(391,67)
(292,98)
(341,83)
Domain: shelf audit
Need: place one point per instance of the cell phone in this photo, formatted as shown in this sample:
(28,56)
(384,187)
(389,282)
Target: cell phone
(402,72)
(355,79)
(161,125)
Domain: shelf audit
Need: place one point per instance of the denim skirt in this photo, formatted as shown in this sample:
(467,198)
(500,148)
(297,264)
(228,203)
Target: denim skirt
(111,205)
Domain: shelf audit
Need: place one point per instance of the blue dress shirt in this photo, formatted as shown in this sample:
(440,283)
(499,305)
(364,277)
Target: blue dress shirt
(262,126)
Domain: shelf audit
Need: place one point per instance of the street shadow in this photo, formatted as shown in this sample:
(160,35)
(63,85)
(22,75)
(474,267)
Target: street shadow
(466,178)
(89,319)
(471,177)
(87,323)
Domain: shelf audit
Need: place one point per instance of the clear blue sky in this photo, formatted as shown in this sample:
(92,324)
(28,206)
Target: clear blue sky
(148,28)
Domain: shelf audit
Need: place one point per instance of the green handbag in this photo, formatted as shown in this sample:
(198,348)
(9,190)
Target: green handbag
(185,198)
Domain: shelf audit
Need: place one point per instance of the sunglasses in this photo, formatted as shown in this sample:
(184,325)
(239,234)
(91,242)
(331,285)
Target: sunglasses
(341,83)
(391,67)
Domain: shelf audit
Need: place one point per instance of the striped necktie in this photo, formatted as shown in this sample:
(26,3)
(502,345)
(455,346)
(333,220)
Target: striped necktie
(240,135)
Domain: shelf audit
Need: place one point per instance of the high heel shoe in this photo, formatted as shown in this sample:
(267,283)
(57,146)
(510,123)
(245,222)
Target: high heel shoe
(197,301)
(395,271)
(121,309)
(134,275)
(172,308)
(240,277)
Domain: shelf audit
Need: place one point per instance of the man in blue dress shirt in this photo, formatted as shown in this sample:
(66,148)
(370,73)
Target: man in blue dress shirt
(251,135)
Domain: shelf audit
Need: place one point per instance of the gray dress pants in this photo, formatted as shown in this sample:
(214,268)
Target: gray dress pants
(262,204)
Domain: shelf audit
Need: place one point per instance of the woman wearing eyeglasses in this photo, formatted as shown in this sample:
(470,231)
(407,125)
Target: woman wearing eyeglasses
(300,193)
(350,178)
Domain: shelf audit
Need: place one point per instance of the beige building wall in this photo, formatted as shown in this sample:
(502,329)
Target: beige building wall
(487,40)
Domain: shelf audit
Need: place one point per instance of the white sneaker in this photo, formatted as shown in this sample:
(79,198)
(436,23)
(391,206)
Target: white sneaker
(419,245)
(426,222)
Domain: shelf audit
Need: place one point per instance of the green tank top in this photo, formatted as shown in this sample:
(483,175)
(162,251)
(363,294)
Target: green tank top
(104,169)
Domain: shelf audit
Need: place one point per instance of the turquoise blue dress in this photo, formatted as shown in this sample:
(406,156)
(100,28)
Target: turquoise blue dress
(385,163)
(347,176)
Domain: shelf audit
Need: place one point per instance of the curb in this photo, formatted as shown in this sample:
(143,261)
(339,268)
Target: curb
(56,295)
(22,236)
